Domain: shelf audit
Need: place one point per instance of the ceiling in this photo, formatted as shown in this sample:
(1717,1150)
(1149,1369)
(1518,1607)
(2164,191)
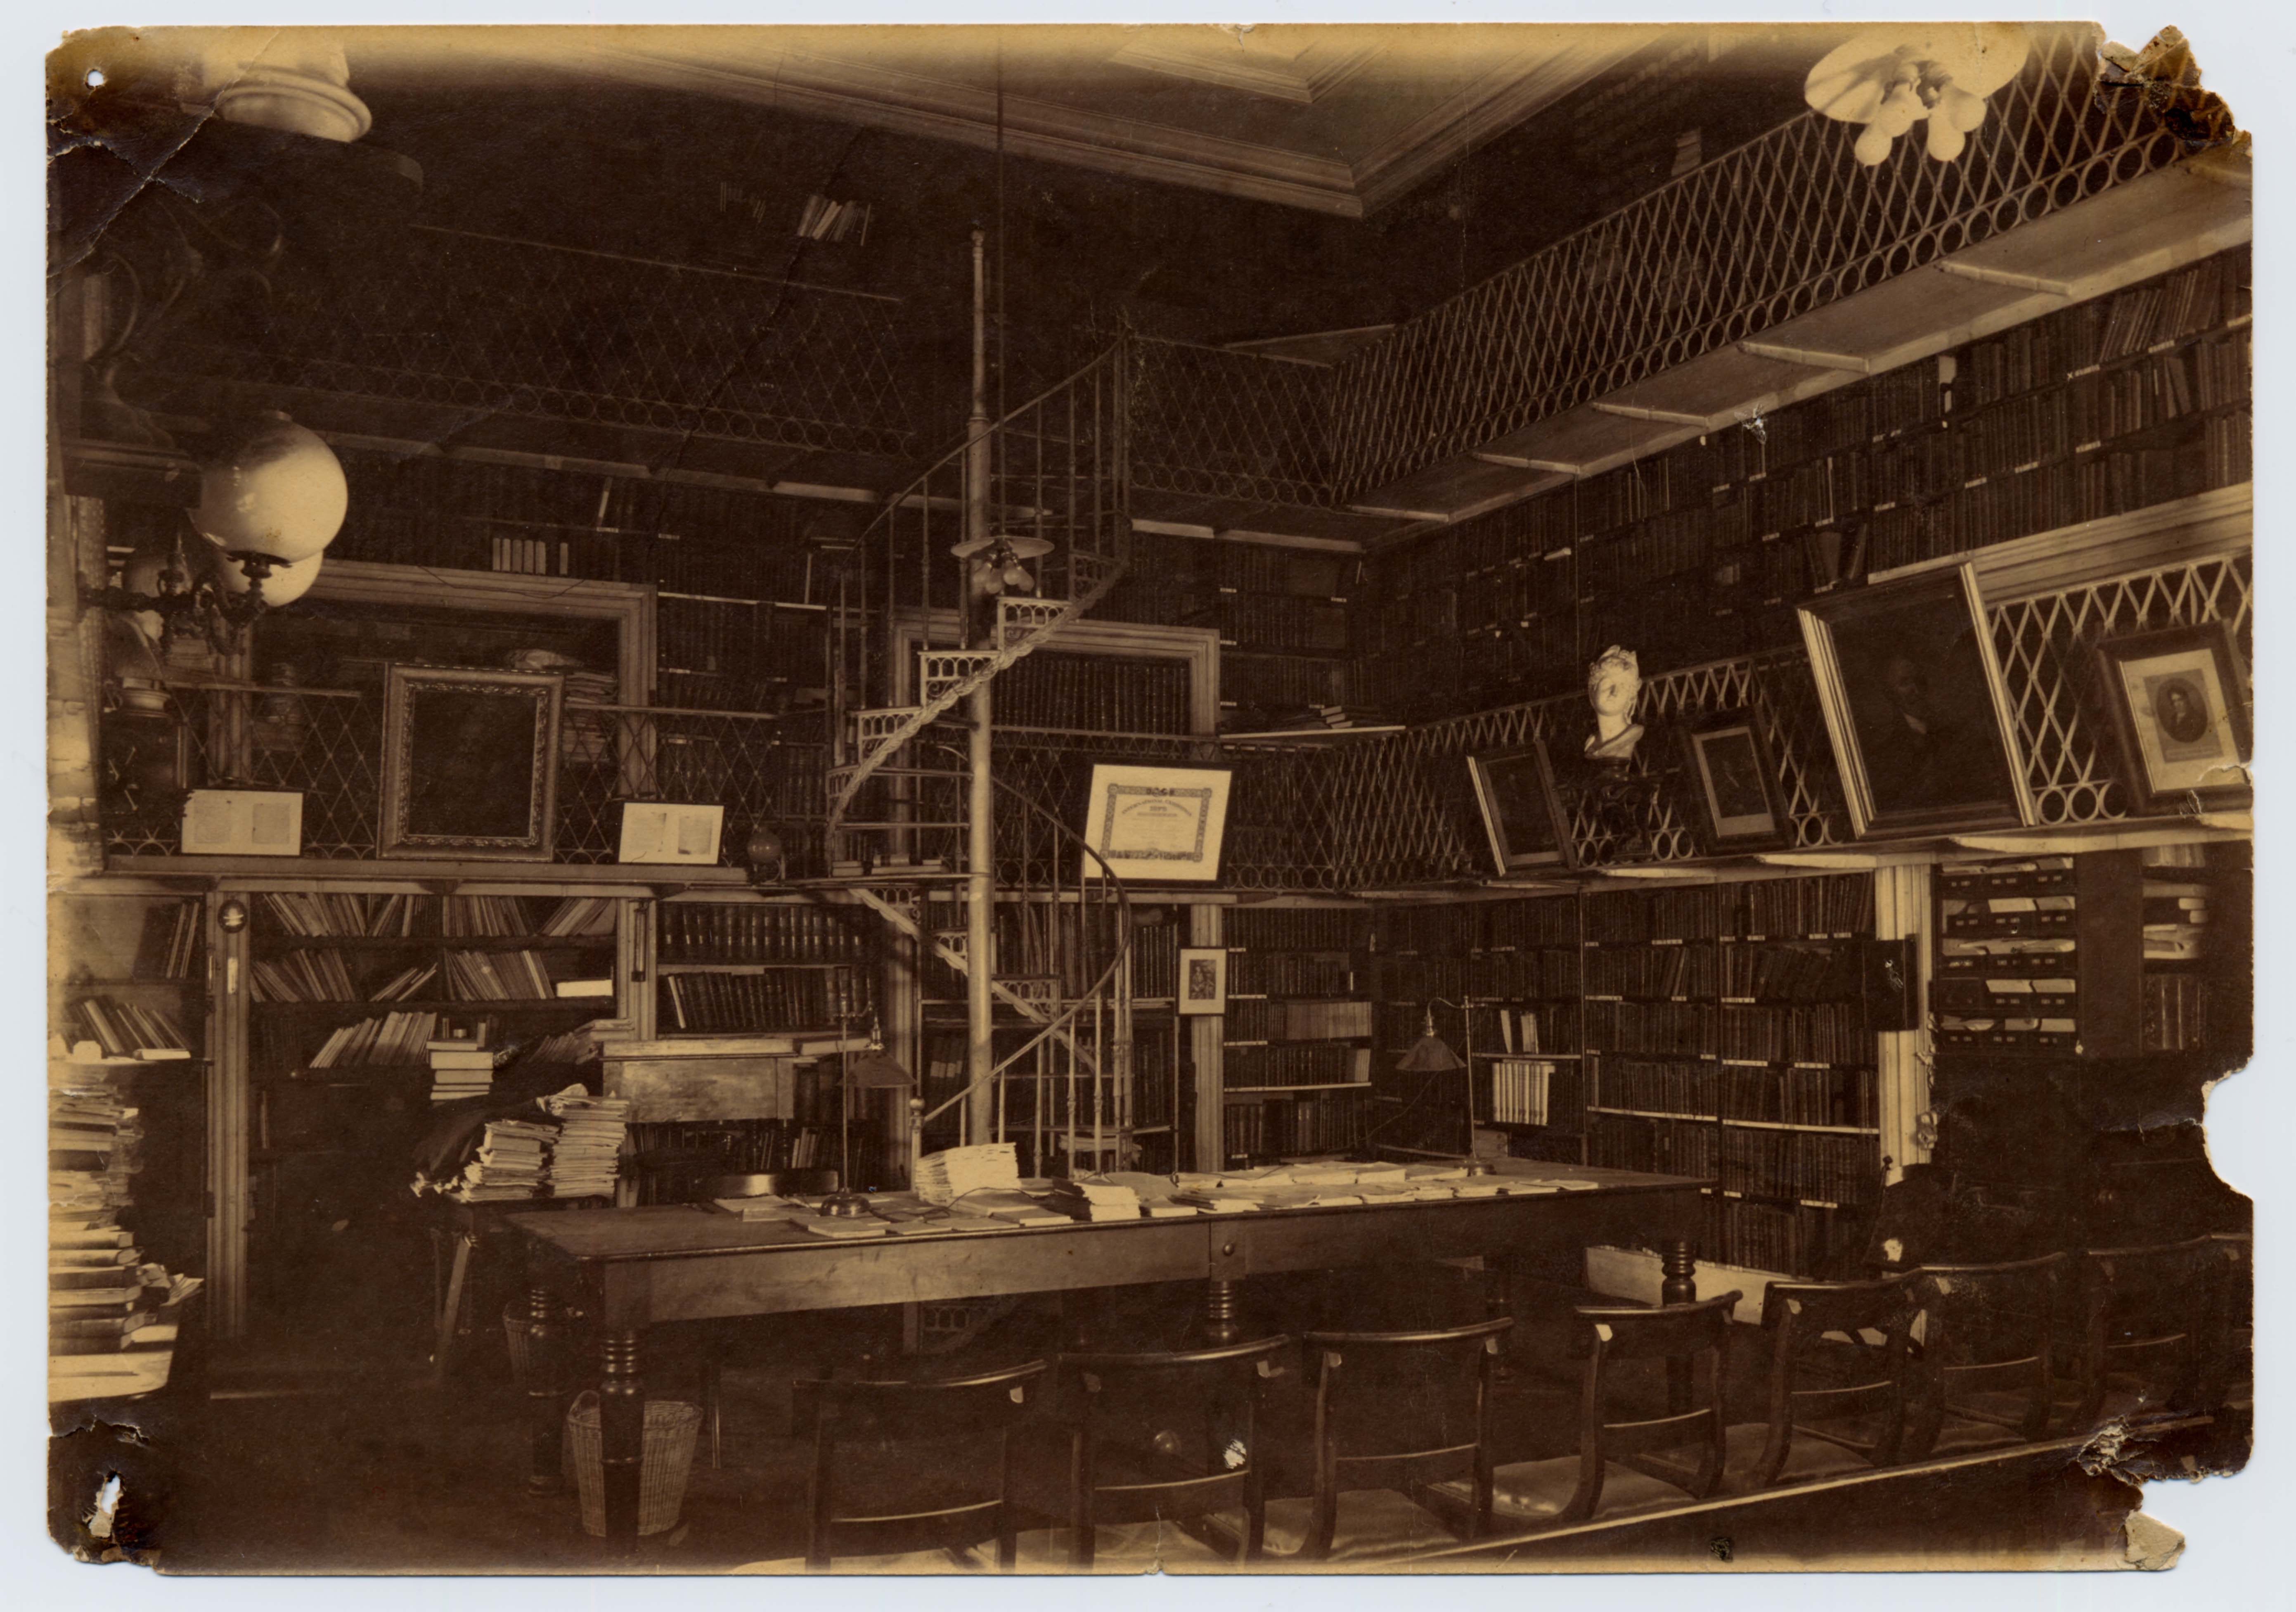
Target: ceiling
(1335,119)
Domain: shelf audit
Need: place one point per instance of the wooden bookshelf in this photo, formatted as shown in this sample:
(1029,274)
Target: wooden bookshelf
(1297,1042)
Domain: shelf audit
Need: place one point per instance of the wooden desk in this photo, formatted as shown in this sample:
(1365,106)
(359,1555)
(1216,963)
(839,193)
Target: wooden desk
(627,1269)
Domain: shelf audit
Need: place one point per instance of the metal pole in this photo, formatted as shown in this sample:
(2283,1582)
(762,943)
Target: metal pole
(981,839)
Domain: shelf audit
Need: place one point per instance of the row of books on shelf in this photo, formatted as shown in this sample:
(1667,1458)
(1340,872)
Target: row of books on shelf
(1332,1121)
(1279,1020)
(739,638)
(1534,1091)
(1295,929)
(2174,1016)
(1821,1032)
(1248,568)
(1545,922)
(1155,960)
(169,949)
(1295,1064)
(347,914)
(1690,1147)
(1289,973)
(1548,971)
(2046,350)
(126,1030)
(1550,1027)
(322,975)
(1757,909)
(725,933)
(704,1003)
(1801,1097)
(1107,693)
(1277,621)
(1789,1237)
(1279,683)
(1795,1165)
(395,1039)
(675,1163)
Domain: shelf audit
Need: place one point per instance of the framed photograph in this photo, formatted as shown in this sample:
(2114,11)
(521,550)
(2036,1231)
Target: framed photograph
(469,762)
(659,831)
(2179,705)
(1203,980)
(1915,708)
(1732,774)
(1157,825)
(1521,812)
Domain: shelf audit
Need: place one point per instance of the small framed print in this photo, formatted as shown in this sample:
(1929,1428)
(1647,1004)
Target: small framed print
(1736,785)
(469,762)
(1157,825)
(1203,980)
(243,822)
(1522,814)
(659,831)
(2179,703)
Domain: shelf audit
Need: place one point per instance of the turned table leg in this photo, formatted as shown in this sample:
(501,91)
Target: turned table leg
(1680,1287)
(1221,1325)
(621,1430)
(546,1390)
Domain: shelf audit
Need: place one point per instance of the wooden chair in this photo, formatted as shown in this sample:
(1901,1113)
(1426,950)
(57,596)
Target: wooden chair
(1629,1461)
(1394,1413)
(1125,1467)
(2147,1317)
(1983,1375)
(1838,1353)
(974,1410)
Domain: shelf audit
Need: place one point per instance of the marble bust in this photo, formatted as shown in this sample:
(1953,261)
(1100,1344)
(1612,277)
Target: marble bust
(1614,682)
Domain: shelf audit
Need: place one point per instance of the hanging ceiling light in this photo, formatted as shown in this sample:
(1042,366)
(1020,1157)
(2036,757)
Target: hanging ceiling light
(1003,557)
(269,504)
(1890,78)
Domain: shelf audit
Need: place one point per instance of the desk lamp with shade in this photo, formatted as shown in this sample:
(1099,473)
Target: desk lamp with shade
(873,1069)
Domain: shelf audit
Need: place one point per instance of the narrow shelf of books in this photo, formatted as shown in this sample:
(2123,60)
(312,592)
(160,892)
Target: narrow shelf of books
(728,968)
(1296,1054)
(127,1139)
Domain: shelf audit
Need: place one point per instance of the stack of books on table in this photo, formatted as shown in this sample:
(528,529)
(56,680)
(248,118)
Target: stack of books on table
(460,1069)
(944,1177)
(1087,1200)
(585,1159)
(512,1162)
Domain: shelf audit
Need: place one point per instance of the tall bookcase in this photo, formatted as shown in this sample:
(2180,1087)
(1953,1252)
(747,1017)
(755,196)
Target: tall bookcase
(1296,1054)
(346,989)
(1502,980)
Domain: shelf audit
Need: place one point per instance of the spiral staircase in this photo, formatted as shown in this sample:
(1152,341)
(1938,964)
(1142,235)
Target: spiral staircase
(913,775)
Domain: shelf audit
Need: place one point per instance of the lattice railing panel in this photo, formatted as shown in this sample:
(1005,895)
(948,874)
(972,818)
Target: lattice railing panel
(2048,648)
(327,746)
(469,322)
(1786,224)
(1404,809)
(1208,423)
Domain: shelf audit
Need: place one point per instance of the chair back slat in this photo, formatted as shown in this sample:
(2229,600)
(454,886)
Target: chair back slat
(1221,1387)
(1985,1329)
(1816,1327)
(1694,1335)
(1671,1331)
(832,1414)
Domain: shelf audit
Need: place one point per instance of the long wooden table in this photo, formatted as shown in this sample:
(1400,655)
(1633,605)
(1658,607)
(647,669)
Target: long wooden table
(625,1270)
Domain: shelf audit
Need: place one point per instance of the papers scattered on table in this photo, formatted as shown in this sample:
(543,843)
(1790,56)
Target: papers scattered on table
(944,1177)
(841,1228)
(1087,1199)
(766,1208)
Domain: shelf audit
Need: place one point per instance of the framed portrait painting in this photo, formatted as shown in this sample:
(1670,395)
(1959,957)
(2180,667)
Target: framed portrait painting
(2178,701)
(1914,707)
(1522,815)
(1157,825)
(470,763)
(1203,980)
(1736,784)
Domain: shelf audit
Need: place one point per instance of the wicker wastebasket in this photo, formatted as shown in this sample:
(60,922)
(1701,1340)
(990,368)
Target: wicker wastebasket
(670,1426)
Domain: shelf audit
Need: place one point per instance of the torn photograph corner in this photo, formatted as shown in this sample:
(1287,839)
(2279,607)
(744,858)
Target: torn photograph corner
(988,800)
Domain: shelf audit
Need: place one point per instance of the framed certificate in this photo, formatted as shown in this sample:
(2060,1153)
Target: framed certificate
(1156,825)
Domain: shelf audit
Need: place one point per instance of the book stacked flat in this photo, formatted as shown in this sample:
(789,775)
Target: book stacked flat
(586,1158)
(1087,1200)
(460,1069)
(512,1162)
(944,1177)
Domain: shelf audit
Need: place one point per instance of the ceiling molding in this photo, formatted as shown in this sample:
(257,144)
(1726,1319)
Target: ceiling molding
(1496,102)
(1206,54)
(878,97)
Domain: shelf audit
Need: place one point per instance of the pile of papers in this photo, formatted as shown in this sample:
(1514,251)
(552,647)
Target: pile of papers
(1014,1206)
(942,1178)
(512,1162)
(1094,1200)
(586,1158)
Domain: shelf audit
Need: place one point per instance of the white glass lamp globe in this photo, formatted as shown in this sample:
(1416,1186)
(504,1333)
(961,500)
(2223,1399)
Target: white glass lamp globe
(284,585)
(278,490)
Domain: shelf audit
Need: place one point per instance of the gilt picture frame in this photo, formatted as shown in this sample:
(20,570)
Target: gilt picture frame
(1733,776)
(2178,700)
(470,763)
(1523,815)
